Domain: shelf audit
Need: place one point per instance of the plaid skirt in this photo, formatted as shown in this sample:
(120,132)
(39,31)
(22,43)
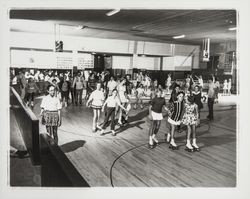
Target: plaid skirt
(51,118)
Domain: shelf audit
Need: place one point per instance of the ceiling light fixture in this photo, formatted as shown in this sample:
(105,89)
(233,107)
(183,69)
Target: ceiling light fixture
(179,37)
(234,28)
(113,12)
(79,27)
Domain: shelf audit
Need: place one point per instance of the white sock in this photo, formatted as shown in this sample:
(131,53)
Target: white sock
(168,137)
(154,138)
(188,145)
(172,142)
(150,140)
(194,143)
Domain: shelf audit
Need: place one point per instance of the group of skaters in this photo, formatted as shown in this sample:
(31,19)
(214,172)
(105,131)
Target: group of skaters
(117,96)
(183,108)
(227,86)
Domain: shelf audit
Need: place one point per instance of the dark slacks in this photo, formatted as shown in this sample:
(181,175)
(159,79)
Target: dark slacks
(210,104)
(30,96)
(110,112)
(79,96)
(65,95)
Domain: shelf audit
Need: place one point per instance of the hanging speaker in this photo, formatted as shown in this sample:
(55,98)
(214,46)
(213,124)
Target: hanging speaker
(59,46)
(206,50)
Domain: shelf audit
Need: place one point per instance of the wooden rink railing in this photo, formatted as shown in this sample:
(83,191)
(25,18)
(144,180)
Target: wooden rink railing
(28,125)
(56,168)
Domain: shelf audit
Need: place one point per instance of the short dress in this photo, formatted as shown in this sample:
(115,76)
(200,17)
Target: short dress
(197,100)
(121,91)
(189,117)
(225,86)
(175,112)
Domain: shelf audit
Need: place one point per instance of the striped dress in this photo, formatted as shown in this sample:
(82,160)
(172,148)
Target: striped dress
(176,110)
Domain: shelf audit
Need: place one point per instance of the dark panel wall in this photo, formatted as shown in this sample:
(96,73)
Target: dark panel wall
(28,124)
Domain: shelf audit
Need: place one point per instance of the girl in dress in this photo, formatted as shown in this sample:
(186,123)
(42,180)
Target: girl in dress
(127,106)
(225,87)
(51,113)
(111,102)
(140,94)
(121,94)
(96,100)
(190,119)
(133,97)
(229,87)
(155,115)
(174,119)
(197,100)
(91,85)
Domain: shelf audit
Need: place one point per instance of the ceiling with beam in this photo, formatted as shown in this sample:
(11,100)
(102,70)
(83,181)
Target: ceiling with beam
(131,24)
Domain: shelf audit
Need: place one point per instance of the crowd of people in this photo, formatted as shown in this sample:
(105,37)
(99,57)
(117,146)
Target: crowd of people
(116,96)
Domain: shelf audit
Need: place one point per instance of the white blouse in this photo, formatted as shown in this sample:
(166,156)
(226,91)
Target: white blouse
(51,103)
(111,101)
(98,98)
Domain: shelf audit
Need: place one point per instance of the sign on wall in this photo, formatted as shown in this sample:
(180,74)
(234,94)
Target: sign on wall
(41,59)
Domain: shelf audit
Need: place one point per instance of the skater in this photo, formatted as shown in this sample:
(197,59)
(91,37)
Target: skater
(121,88)
(155,115)
(51,113)
(96,99)
(64,86)
(174,119)
(197,100)
(225,87)
(111,102)
(190,119)
(211,98)
(229,86)
(31,90)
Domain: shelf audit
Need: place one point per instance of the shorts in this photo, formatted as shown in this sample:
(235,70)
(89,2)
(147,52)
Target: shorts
(156,116)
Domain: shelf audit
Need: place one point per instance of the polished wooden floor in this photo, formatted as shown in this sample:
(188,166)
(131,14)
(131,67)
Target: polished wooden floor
(126,161)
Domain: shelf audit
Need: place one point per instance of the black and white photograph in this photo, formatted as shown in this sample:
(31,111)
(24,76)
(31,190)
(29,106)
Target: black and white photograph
(123,97)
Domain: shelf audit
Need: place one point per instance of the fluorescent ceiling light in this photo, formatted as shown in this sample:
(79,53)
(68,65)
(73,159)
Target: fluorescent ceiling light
(79,27)
(179,36)
(234,28)
(113,12)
